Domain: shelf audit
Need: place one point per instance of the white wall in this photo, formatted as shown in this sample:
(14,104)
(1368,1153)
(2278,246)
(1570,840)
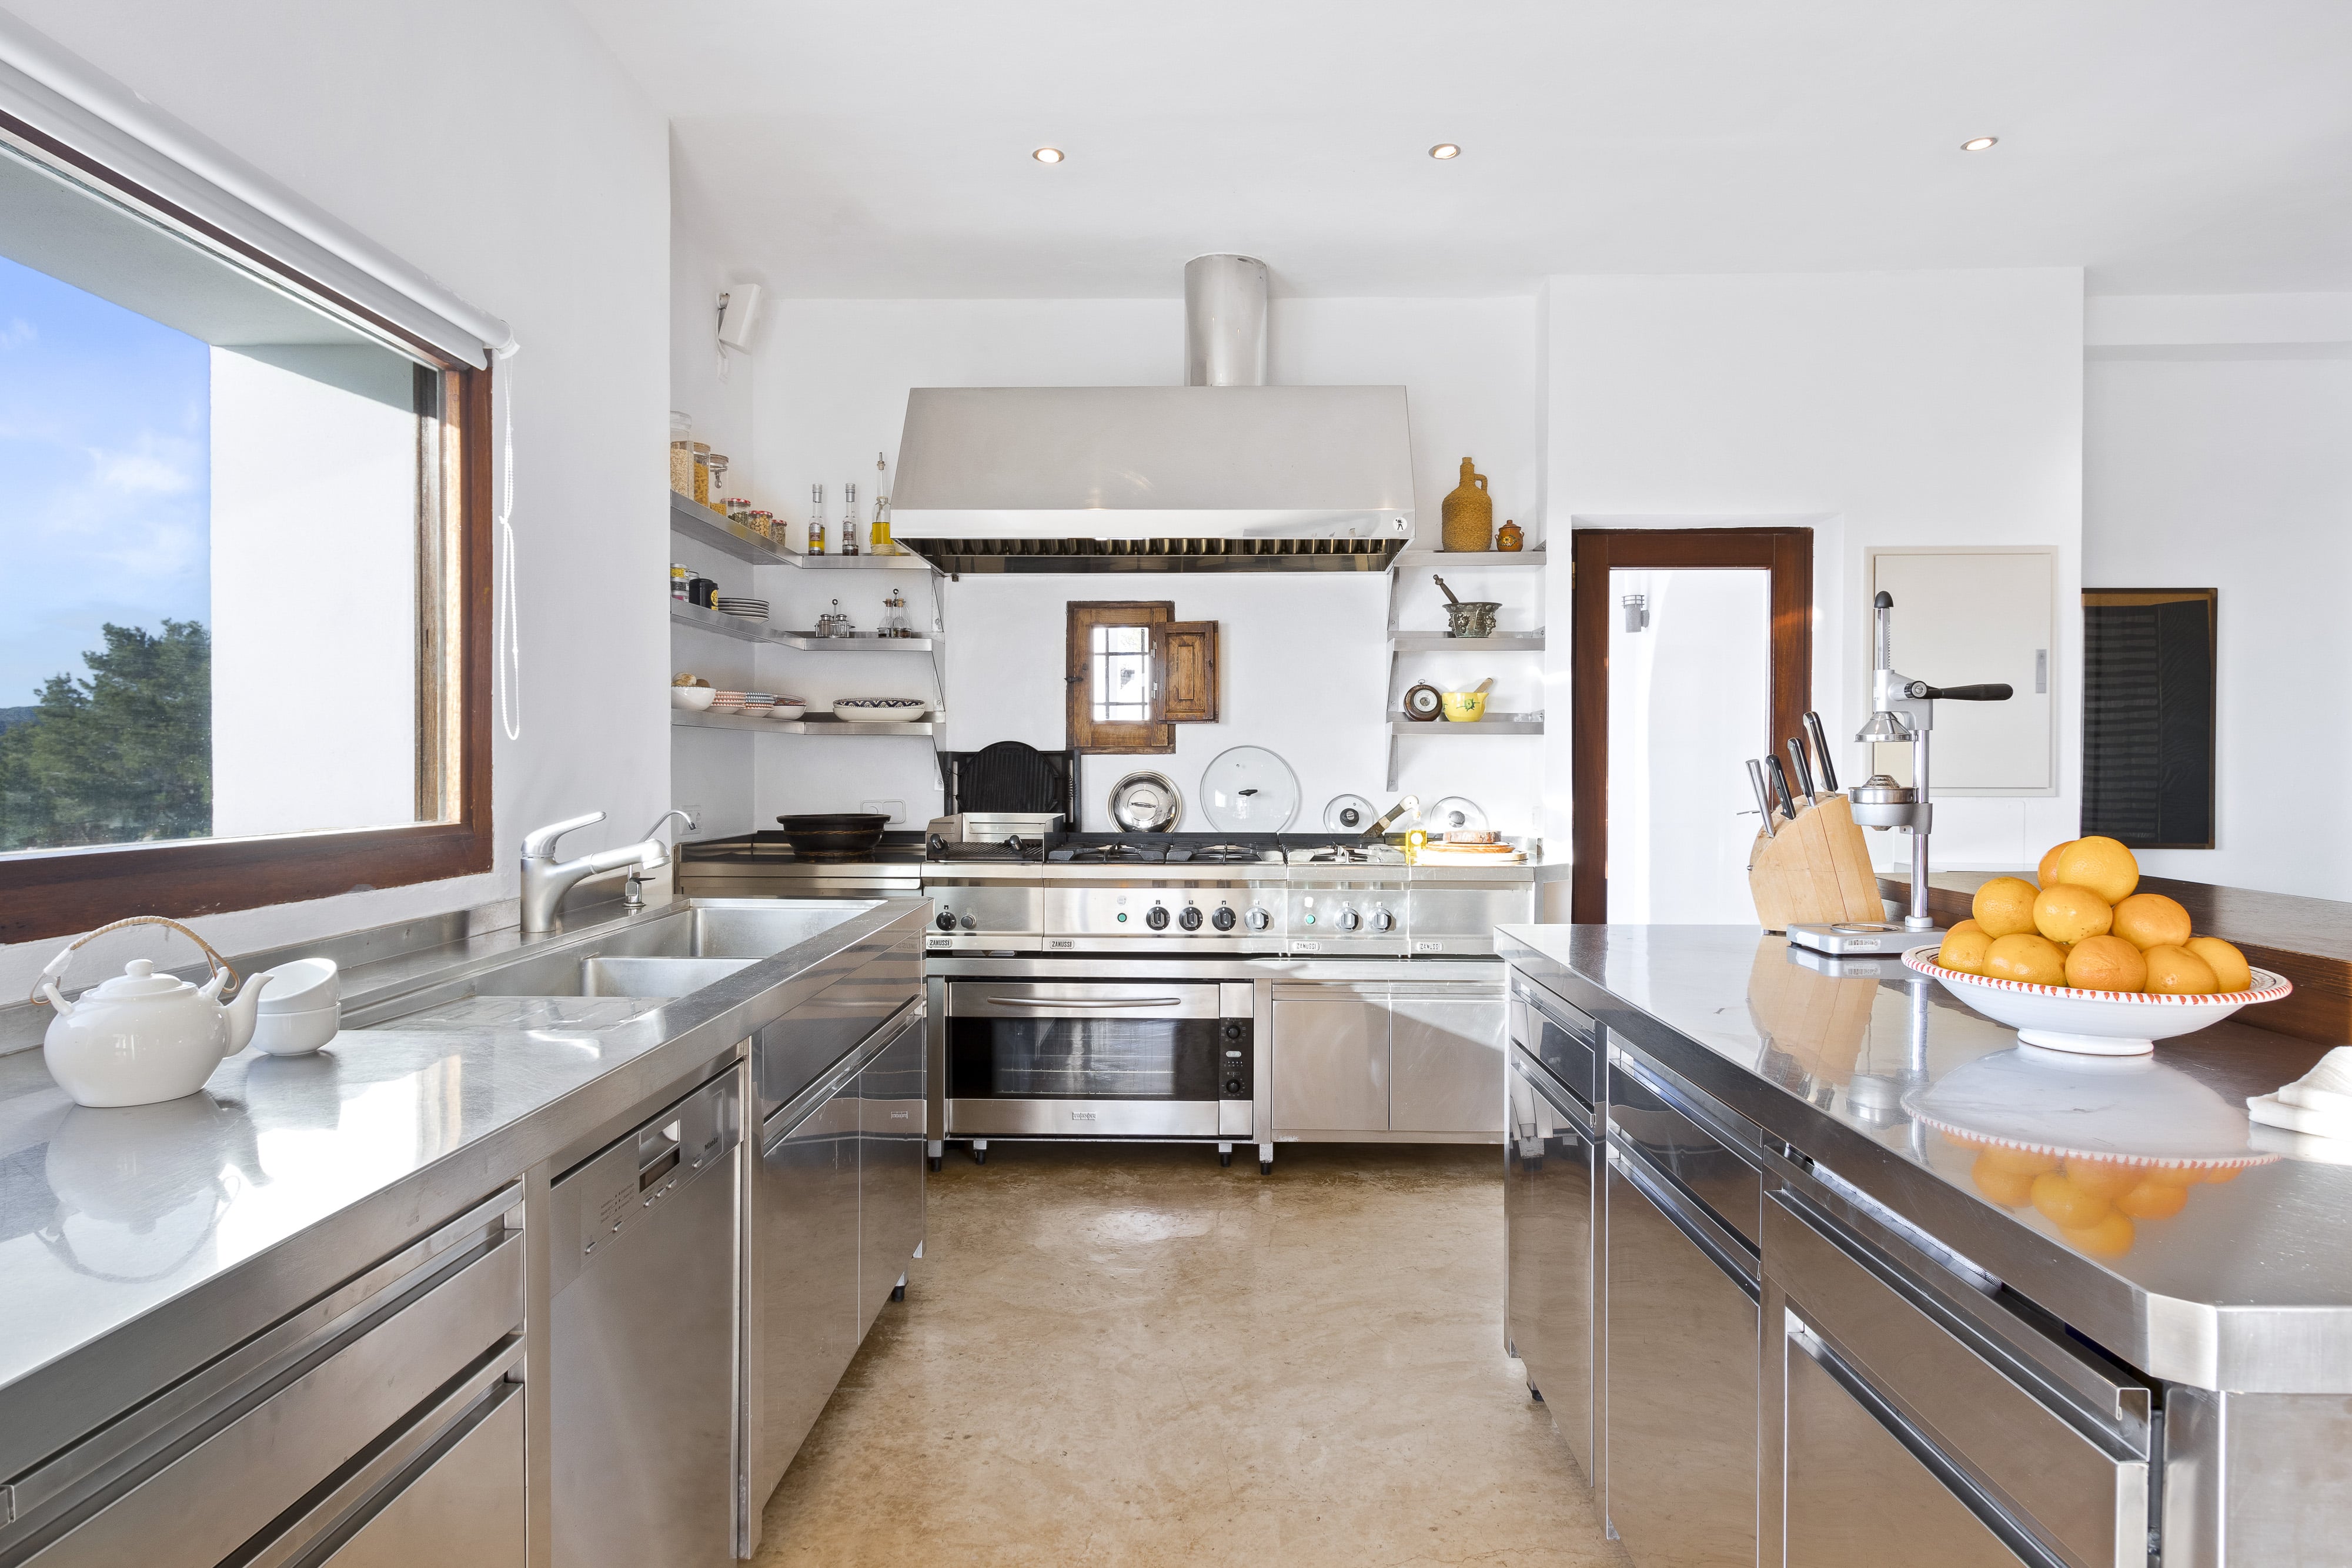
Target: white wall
(314,596)
(1913,408)
(2218,454)
(497,145)
(1305,664)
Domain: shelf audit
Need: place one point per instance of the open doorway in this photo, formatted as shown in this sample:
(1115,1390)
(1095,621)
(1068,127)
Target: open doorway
(1692,650)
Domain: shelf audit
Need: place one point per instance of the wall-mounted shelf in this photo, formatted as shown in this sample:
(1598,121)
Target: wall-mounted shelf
(864,642)
(682,614)
(811,724)
(1439,642)
(1493,723)
(1439,559)
(690,519)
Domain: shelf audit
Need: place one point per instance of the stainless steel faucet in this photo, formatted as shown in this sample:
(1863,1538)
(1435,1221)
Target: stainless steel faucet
(545,880)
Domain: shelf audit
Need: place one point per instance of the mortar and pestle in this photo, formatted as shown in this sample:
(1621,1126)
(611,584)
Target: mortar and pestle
(1467,617)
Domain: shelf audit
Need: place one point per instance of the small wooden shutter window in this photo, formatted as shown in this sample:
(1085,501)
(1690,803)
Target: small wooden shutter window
(1089,732)
(1189,693)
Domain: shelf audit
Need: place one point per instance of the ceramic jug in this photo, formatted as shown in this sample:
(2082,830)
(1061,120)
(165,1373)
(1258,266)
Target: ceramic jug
(1468,514)
(141,1037)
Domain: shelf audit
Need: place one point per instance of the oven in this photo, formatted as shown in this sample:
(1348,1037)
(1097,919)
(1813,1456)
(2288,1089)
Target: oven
(1026,1058)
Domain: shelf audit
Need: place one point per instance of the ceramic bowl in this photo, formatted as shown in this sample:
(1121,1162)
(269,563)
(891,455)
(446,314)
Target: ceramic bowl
(693,699)
(296,1034)
(880,710)
(1463,707)
(2093,1023)
(787,711)
(1471,617)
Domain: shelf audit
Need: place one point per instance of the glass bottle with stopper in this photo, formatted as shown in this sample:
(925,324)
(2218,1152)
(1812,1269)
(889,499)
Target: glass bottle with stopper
(894,616)
(850,518)
(817,520)
(881,539)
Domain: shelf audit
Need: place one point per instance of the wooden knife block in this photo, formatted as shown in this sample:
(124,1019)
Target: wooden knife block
(1814,871)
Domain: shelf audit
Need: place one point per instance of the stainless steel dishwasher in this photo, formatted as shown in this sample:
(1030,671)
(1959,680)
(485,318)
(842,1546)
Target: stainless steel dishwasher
(643,1341)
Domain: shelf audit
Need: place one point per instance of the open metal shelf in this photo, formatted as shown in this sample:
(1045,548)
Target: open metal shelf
(811,724)
(682,614)
(863,642)
(1440,643)
(1493,723)
(690,519)
(1439,559)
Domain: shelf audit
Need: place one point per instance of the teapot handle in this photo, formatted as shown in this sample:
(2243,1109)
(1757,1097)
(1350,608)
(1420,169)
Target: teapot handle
(56,970)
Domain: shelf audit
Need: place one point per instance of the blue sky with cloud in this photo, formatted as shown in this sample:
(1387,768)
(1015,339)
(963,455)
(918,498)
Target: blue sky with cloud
(105,480)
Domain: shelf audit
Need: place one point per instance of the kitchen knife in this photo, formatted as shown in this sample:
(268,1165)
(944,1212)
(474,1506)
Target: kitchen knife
(1781,783)
(1821,751)
(1763,795)
(1379,828)
(1804,769)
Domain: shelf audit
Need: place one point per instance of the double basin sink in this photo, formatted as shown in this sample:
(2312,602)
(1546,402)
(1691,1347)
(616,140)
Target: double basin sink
(651,959)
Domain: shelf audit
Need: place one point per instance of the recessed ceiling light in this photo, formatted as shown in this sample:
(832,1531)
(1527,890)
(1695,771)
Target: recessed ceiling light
(1444,149)
(1047,155)
(1978,143)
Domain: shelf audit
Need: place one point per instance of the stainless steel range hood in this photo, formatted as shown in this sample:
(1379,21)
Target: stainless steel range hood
(1203,478)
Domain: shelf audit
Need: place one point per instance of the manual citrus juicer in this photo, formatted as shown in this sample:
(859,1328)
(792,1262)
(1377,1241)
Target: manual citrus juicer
(1902,709)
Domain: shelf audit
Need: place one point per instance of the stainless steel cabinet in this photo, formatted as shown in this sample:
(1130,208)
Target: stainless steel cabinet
(1681,1351)
(1331,1058)
(1445,1060)
(807,1321)
(460,1505)
(1856,1496)
(889,1168)
(642,1339)
(1550,1216)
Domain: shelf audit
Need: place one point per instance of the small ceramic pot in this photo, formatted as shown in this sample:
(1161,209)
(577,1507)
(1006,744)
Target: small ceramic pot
(1466,708)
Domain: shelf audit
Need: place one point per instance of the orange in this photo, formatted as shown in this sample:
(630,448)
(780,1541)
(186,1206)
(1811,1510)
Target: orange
(1964,951)
(2029,1162)
(2154,1200)
(2033,960)
(2176,971)
(2110,1237)
(1966,926)
(2103,865)
(2229,966)
(2220,1176)
(2174,1176)
(2004,906)
(2151,920)
(2068,1206)
(2008,1188)
(2107,1178)
(2064,913)
(2106,964)
(2048,874)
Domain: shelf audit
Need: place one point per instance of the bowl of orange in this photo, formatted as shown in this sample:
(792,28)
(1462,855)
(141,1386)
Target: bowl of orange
(2079,959)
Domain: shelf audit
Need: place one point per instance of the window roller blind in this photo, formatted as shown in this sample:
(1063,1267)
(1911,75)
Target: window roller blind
(69,102)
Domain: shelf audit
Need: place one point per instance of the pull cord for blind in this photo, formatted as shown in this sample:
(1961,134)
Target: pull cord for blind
(507,647)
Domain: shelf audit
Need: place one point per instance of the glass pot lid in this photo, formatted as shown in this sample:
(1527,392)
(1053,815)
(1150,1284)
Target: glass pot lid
(1249,789)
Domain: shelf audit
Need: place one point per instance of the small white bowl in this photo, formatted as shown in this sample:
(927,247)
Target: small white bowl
(296,1034)
(303,986)
(787,710)
(880,710)
(2092,1023)
(693,699)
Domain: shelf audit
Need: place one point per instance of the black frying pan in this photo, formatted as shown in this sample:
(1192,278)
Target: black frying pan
(835,836)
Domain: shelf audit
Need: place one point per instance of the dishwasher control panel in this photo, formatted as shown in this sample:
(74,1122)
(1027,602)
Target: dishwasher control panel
(623,1185)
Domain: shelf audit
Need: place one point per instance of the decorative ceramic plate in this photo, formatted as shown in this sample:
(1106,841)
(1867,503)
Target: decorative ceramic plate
(1249,789)
(2094,1023)
(881,710)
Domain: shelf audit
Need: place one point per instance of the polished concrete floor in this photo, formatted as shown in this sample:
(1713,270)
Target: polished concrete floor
(1132,1355)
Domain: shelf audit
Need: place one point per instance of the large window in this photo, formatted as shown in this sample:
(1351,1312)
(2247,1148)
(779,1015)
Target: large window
(238,665)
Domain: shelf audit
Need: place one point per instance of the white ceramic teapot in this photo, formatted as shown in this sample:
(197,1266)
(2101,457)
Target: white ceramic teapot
(142,1036)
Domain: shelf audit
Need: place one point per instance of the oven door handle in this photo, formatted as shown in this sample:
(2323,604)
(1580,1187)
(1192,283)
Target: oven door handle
(1089,1003)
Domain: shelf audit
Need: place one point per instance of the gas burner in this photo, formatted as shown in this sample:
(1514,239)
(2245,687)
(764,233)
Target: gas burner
(1109,855)
(1220,854)
(1343,854)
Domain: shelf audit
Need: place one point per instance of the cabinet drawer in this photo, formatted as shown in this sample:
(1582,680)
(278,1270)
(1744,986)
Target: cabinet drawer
(1699,1146)
(1561,1037)
(2084,1496)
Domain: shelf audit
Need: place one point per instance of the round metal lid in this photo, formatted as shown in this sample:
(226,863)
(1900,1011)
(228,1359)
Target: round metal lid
(1146,804)
(1249,789)
(1349,814)
(1453,814)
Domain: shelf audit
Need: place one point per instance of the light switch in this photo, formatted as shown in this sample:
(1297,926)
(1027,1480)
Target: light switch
(894,810)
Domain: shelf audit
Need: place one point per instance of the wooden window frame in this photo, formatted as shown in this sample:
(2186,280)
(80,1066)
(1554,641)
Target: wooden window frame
(1786,554)
(1126,738)
(52,892)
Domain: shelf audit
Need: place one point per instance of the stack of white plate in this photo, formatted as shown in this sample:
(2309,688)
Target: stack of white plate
(748,608)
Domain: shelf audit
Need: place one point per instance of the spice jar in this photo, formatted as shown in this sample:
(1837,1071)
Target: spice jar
(761,523)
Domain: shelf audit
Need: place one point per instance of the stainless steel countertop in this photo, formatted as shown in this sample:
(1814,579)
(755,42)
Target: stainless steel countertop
(2248,1287)
(121,1230)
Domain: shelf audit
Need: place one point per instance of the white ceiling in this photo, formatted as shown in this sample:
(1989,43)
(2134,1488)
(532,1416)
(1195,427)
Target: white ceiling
(869,148)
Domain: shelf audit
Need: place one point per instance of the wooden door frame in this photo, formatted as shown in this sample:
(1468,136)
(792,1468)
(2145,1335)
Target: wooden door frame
(1786,553)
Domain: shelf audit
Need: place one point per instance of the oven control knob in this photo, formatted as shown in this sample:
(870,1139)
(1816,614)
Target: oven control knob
(1155,917)
(1233,1085)
(1223,919)
(1234,1032)
(947,920)
(971,922)
(1258,919)
(1189,920)
(1382,920)
(1350,920)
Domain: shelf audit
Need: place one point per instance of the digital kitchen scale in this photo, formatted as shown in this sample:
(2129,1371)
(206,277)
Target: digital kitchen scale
(1849,937)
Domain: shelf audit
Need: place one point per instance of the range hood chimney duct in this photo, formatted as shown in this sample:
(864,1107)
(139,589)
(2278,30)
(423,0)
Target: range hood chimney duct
(1224,322)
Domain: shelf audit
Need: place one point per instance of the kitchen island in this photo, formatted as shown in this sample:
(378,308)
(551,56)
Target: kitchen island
(1782,1270)
(359,1296)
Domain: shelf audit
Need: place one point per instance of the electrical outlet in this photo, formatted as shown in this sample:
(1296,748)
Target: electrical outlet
(696,813)
(895,810)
